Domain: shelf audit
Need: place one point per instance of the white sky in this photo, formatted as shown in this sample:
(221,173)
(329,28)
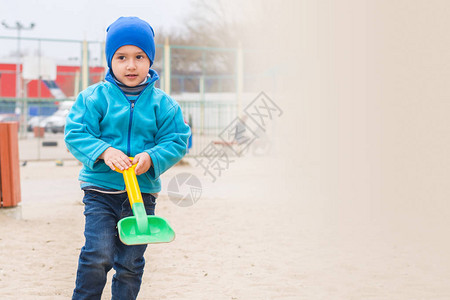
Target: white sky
(88,19)
(78,19)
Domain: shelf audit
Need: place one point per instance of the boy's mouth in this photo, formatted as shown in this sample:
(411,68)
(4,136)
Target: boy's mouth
(131,75)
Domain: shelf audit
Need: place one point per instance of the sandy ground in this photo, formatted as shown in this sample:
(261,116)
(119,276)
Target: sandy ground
(253,234)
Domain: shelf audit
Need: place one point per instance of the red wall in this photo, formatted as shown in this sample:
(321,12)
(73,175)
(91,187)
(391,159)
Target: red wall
(65,79)
(7,81)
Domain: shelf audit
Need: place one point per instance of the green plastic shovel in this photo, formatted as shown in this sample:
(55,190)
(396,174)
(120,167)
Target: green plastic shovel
(141,228)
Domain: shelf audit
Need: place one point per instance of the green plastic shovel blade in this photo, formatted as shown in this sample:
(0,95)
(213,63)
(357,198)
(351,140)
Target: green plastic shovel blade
(158,231)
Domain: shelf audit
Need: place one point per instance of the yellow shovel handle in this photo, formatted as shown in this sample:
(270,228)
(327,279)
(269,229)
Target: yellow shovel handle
(135,197)
(131,184)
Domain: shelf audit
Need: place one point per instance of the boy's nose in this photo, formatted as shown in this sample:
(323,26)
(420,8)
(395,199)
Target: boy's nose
(131,65)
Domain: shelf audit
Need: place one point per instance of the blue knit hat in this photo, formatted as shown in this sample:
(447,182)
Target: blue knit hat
(129,31)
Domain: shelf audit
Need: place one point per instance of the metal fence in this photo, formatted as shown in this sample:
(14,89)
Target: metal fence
(209,83)
(206,119)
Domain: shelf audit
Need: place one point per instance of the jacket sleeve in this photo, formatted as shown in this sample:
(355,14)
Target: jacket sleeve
(170,141)
(82,132)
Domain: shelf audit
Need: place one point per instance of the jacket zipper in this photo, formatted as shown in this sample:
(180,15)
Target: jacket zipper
(131,113)
(129,128)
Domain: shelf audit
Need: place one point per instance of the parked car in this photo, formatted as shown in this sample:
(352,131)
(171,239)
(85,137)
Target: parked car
(54,123)
(34,122)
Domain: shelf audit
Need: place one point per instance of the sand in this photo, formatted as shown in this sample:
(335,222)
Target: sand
(252,234)
(237,249)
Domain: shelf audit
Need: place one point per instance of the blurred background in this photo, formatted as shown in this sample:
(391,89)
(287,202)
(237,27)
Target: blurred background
(205,57)
(358,155)
(362,86)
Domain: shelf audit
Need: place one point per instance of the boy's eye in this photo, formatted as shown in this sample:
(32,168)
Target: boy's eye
(120,57)
(140,56)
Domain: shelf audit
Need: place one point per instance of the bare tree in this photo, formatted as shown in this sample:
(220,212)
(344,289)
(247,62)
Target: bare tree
(217,25)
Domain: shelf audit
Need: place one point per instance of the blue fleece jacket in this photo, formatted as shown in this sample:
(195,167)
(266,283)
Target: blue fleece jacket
(103,117)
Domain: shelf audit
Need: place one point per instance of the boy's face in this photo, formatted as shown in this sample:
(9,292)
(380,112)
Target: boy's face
(130,65)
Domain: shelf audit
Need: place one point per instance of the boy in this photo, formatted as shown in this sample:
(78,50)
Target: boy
(124,116)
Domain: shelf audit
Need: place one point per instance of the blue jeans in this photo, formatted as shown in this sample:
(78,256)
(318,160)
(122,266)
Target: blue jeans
(103,249)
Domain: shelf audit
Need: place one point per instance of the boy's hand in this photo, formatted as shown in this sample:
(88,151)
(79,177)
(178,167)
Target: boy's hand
(115,158)
(143,161)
